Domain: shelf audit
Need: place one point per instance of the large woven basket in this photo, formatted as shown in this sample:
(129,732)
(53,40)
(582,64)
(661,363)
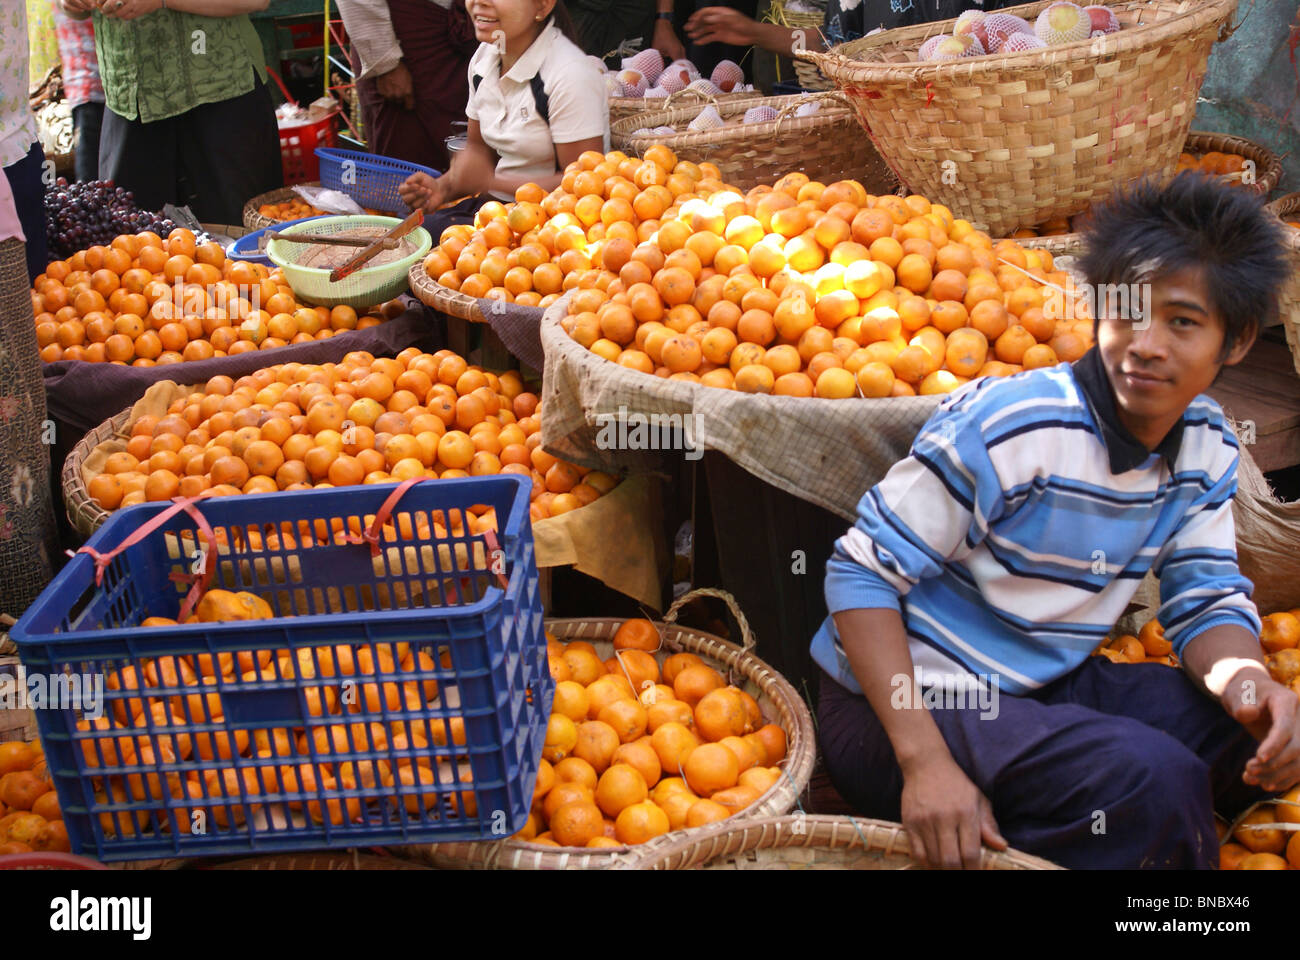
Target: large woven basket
(444,299)
(1267,172)
(826,145)
(254,220)
(1028,137)
(85,515)
(1288,208)
(801,843)
(778,699)
(620,108)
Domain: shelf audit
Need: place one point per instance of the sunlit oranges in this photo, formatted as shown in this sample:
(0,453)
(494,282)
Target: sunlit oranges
(363,420)
(146,301)
(655,271)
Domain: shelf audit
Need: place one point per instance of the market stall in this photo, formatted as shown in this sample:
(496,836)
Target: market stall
(319,480)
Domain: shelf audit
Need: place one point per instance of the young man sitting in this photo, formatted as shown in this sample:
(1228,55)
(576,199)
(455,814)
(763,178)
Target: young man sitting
(1001,551)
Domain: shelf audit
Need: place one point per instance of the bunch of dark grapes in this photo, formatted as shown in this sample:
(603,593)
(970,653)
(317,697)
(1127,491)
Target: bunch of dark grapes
(81,214)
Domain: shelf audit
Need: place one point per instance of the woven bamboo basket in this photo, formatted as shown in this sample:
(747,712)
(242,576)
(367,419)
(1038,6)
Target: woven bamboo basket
(827,145)
(322,860)
(1288,208)
(1028,137)
(801,842)
(778,699)
(444,299)
(254,220)
(1267,172)
(620,108)
(85,515)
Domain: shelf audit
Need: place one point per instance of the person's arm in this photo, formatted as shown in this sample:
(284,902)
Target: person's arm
(130,9)
(370,30)
(931,507)
(473,171)
(666,40)
(1214,628)
(724,25)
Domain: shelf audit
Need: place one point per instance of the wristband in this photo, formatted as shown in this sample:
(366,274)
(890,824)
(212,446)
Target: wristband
(666,15)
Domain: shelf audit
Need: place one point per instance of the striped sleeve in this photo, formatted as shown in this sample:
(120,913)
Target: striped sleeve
(933,506)
(1200,584)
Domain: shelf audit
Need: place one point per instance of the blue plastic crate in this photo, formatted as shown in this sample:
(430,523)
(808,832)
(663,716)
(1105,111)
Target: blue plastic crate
(370,180)
(467,604)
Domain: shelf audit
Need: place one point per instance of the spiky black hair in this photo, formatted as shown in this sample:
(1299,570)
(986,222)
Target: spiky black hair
(1150,230)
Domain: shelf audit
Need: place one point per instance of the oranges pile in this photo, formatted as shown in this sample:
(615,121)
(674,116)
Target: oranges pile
(363,420)
(1258,845)
(343,682)
(1279,639)
(532,250)
(294,208)
(30,818)
(1229,166)
(638,745)
(806,289)
(144,301)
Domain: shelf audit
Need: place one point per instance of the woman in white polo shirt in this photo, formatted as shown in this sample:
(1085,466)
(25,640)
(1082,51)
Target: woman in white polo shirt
(536,102)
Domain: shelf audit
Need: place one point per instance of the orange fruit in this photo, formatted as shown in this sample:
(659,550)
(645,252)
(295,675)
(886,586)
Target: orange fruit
(576,823)
(693,682)
(561,738)
(637,634)
(705,811)
(576,770)
(639,822)
(774,743)
(619,787)
(595,743)
(735,798)
(1257,841)
(720,713)
(1263,861)
(1280,631)
(711,767)
(17,755)
(640,755)
(673,743)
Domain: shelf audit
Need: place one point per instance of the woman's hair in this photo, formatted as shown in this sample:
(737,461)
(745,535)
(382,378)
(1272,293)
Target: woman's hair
(560,17)
(1196,221)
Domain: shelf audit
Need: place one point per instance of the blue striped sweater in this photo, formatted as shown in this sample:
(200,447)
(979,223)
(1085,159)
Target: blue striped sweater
(1011,544)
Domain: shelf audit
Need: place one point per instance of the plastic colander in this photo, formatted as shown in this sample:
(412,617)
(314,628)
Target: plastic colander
(363,288)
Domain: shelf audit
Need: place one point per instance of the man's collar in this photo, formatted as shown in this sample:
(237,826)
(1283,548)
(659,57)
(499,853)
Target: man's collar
(1124,450)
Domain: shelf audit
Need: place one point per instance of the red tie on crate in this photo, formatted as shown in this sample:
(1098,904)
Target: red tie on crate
(198,581)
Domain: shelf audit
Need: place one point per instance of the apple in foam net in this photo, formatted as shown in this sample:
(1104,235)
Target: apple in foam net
(1103,19)
(1063,23)
(972,23)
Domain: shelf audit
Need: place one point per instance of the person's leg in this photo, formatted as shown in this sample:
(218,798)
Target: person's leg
(1164,698)
(1067,783)
(140,157)
(29,201)
(229,152)
(87,118)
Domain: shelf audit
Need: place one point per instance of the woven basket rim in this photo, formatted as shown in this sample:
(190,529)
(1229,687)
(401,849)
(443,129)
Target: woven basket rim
(798,764)
(85,515)
(254,220)
(1128,41)
(727,839)
(1286,204)
(433,294)
(836,115)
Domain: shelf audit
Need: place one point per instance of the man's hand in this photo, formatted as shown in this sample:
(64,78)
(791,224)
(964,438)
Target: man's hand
(667,42)
(128,9)
(79,8)
(421,191)
(721,25)
(1269,711)
(397,85)
(946,816)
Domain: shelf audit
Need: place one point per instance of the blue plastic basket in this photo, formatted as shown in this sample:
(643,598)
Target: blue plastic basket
(468,603)
(370,180)
(245,248)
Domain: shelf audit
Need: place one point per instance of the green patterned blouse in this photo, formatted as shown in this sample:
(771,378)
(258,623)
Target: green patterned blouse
(166,62)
